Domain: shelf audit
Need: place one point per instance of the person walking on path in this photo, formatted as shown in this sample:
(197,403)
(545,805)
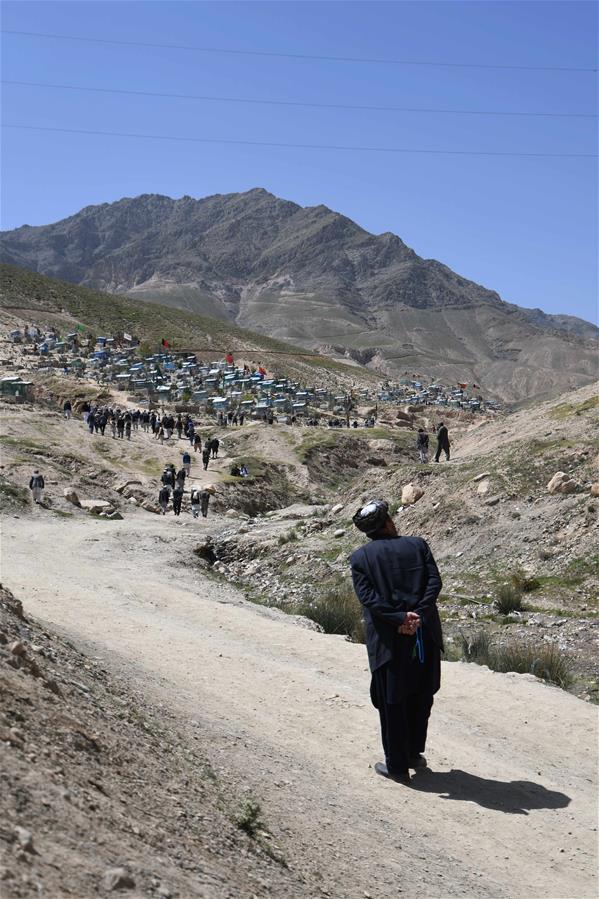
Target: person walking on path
(163,498)
(442,442)
(397,582)
(180,479)
(67,408)
(197,443)
(422,445)
(195,502)
(187,463)
(204,501)
(214,445)
(36,485)
(177,499)
(206,456)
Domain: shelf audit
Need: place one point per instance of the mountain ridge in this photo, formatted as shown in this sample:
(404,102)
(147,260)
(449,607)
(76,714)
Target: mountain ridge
(312,276)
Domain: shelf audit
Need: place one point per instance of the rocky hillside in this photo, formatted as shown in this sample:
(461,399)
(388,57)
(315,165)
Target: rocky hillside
(315,277)
(76,746)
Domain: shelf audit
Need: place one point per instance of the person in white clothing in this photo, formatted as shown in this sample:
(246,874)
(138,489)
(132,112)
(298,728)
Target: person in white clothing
(36,485)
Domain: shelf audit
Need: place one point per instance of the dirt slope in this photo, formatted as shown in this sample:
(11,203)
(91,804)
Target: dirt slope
(508,810)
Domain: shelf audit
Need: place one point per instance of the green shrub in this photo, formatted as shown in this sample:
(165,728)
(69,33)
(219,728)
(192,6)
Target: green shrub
(289,537)
(509,599)
(476,648)
(544,660)
(523,583)
(248,817)
(337,611)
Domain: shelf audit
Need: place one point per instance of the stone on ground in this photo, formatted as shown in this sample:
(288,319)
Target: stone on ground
(117,879)
(410,494)
(562,483)
(70,494)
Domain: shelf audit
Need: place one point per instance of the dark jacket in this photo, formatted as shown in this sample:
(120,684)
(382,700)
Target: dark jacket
(422,440)
(392,576)
(443,436)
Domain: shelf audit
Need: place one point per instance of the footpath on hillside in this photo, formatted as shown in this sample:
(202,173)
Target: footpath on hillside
(508,809)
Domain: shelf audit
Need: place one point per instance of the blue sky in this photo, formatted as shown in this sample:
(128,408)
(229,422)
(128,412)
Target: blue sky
(524,226)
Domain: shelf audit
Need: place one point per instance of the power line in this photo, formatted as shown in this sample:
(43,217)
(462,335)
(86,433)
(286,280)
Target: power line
(293,146)
(296,103)
(307,56)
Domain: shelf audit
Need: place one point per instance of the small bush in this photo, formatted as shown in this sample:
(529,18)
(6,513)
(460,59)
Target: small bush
(509,599)
(523,583)
(289,537)
(544,660)
(248,818)
(476,648)
(337,612)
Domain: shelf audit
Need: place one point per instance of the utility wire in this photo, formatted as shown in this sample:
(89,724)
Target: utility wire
(277,144)
(307,56)
(295,103)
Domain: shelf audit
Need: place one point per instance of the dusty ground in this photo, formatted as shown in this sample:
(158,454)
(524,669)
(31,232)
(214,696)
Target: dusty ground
(94,778)
(508,809)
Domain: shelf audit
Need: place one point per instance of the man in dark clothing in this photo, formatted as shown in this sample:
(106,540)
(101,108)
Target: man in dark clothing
(163,498)
(180,479)
(177,499)
(167,477)
(397,582)
(206,456)
(67,408)
(442,442)
(214,445)
(204,501)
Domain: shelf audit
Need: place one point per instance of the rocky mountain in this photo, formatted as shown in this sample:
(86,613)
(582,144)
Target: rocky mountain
(314,277)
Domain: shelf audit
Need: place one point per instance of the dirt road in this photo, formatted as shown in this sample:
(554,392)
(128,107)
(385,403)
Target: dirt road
(509,809)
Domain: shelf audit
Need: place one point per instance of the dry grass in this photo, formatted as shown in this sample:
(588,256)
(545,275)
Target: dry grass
(337,611)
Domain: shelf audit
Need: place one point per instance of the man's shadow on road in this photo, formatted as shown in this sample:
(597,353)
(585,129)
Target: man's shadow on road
(515,797)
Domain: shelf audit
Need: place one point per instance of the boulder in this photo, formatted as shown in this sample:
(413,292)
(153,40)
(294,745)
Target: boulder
(481,477)
(96,505)
(405,416)
(410,494)
(494,501)
(340,532)
(115,516)
(231,513)
(595,489)
(562,483)
(151,507)
(483,488)
(338,507)
(122,487)
(70,494)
